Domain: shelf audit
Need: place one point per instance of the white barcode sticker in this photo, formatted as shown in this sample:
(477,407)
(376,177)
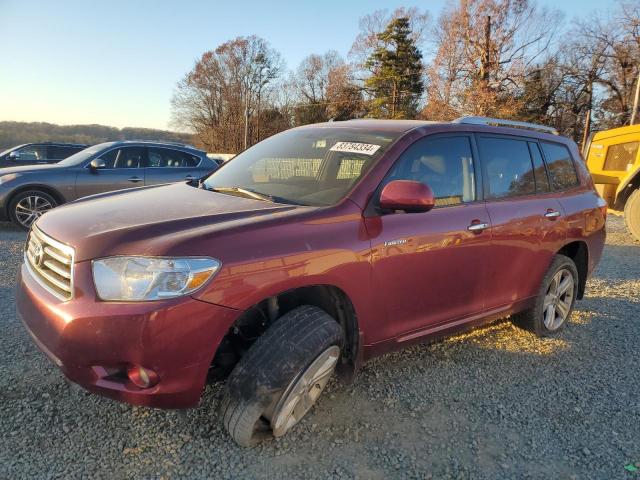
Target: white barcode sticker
(355,147)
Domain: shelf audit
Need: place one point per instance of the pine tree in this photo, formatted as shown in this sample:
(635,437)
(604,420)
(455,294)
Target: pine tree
(396,65)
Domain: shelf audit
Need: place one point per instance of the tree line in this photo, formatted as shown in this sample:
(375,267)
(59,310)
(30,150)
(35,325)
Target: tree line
(17,133)
(501,58)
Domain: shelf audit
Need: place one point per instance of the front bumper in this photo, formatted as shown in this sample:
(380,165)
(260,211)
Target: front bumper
(91,341)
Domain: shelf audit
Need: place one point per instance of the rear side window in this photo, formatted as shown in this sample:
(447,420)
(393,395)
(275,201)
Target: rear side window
(165,157)
(560,165)
(507,166)
(60,153)
(445,164)
(620,156)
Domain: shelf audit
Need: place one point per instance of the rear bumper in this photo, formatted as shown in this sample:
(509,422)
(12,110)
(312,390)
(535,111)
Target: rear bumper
(93,342)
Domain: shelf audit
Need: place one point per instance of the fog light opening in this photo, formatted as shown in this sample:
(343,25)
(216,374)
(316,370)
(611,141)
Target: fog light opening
(142,377)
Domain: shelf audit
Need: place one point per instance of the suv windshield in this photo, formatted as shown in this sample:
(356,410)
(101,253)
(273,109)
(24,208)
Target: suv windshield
(308,166)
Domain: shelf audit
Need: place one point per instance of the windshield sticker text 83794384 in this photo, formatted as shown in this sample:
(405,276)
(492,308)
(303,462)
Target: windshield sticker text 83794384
(355,147)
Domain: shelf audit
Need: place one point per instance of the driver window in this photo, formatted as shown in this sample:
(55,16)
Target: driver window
(32,153)
(445,164)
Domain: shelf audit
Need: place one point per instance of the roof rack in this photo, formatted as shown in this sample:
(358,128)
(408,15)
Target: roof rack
(148,140)
(506,123)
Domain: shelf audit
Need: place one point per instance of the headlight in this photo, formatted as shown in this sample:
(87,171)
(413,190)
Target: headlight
(150,278)
(8,177)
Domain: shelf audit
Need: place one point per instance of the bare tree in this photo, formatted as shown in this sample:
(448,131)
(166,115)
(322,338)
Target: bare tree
(222,97)
(484,49)
(325,89)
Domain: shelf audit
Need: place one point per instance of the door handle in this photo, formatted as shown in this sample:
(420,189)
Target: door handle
(478,227)
(551,213)
(134,179)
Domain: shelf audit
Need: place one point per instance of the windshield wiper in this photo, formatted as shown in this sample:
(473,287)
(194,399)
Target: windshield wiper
(244,191)
(251,194)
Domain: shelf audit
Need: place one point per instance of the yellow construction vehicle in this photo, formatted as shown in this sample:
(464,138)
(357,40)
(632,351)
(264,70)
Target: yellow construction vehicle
(613,157)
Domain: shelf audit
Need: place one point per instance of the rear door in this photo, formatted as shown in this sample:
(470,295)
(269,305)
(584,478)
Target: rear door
(124,168)
(526,217)
(167,165)
(429,268)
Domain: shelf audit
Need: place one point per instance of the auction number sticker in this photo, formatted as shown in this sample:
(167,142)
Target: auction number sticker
(355,147)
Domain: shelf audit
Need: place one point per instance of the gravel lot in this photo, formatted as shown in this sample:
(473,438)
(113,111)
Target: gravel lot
(493,403)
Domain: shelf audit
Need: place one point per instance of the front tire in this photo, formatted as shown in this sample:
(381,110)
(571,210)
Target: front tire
(555,300)
(26,207)
(282,375)
(632,214)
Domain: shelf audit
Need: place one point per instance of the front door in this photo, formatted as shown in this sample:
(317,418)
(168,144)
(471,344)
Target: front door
(429,268)
(526,217)
(124,168)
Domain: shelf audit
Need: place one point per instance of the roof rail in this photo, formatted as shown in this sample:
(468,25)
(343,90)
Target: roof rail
(148,140)
(506,123)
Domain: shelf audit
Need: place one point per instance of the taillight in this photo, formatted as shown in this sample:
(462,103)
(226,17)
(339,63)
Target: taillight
(602,205)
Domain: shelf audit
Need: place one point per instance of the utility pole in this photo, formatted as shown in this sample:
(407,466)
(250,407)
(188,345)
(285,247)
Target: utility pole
(587,120)
(635,101)
(246,122)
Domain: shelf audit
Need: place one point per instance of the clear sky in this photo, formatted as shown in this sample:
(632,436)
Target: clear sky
(116,62)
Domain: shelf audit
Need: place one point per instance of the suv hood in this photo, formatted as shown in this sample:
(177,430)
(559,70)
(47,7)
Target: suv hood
(29,168)
(150,220)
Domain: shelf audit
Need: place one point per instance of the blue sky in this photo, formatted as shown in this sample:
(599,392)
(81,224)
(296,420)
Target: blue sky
(116,62)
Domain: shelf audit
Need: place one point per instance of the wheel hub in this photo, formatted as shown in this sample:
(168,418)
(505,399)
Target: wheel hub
(558,300)
(30,208)
(303,392)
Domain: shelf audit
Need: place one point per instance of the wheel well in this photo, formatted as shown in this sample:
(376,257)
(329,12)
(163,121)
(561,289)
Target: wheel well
(632,186)
(255,321)
(42,188)
(579,253)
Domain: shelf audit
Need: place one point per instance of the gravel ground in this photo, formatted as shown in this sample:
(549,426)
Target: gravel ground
(494,403)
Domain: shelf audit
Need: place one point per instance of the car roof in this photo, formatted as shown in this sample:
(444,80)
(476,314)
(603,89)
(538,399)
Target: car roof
(66,144)
(398,126)
(158,143)
(403,126)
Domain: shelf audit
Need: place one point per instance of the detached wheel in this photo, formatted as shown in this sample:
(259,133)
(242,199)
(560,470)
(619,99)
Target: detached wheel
(26,207)
(555,300)
(282,375)
(632,214)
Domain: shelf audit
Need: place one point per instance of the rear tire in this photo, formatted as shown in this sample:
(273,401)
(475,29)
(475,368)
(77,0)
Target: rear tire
(632,214)
(555,300)
(26,207)
(273,385)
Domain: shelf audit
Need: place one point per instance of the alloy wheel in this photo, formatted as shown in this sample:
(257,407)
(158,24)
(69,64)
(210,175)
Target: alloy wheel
(303,391)
(30,208)
(558,300)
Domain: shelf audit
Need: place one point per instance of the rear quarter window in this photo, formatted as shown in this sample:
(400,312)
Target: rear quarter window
(560,166)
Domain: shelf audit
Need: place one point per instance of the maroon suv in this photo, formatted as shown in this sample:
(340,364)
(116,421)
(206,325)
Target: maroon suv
(311,252)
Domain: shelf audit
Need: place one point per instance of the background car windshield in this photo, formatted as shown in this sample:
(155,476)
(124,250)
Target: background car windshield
(83,155)
(309,166)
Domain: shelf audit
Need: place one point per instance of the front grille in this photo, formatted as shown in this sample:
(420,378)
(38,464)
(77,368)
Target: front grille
(51,263)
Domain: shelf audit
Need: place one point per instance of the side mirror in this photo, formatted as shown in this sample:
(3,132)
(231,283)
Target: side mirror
(14,156)
(407,195)
(97,164)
